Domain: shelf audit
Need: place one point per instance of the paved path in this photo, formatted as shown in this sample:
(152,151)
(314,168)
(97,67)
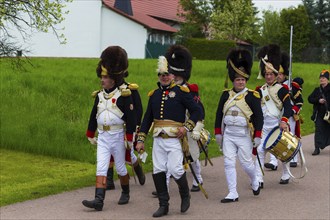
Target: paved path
(307,198)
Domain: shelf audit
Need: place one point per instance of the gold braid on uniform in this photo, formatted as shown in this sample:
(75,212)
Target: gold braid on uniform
(189,124)
(104,71)
(239,71)
(184,88)
(125,92)
(296,95)
(133,86)
(286,96)
(142,137)
(94,94)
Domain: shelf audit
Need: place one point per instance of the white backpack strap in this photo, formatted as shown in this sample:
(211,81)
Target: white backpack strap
(269,102)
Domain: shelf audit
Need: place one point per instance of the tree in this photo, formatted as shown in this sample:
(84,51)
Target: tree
(269,28)
(236,20)
(319,15)
(25,16)
(298,18)
(196,15)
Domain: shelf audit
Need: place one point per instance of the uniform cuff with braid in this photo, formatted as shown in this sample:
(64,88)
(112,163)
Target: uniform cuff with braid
(141,137)
(189,124)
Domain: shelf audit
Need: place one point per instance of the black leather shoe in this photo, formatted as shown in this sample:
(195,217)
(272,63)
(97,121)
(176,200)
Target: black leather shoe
(124,198)
(225,200)
(293,164)
(261,185)
(256,192)
(316,152)
(270,166)
(195,188)
(162,210)
(284,181)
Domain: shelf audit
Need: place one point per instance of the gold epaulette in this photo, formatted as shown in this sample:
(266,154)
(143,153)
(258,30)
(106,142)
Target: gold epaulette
(133,86)
(255,93)
(94,94)
(151,92)
(226,90)
(125,92)
(184,88)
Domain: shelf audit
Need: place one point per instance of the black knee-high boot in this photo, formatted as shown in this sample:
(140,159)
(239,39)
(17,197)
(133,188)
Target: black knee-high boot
(162,192)
(97,203)
(124,198)
(184,192)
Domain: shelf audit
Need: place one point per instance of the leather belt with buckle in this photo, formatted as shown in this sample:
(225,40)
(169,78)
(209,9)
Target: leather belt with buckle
(110,127)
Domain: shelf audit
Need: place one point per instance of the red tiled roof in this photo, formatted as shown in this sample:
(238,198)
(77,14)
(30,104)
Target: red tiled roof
(144,9)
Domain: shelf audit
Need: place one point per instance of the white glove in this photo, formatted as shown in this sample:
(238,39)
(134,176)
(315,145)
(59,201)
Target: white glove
(196,132)
(257,142)
(218,139)
(93,140)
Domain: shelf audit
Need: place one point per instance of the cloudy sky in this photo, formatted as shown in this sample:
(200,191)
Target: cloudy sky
(275,4)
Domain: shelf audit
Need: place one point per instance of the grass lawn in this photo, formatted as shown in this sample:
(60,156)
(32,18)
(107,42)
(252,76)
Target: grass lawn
(27,176)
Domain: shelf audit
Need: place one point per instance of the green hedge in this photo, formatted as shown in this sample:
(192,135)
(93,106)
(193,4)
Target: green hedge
(203,49)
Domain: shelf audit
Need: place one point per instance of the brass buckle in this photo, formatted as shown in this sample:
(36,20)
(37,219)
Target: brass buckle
(234,113)
(106,127)
(163,135)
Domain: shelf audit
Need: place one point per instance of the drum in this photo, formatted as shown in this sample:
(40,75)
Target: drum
(283,145)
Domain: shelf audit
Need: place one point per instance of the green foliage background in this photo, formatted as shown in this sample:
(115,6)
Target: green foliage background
(204,49)
(45,110)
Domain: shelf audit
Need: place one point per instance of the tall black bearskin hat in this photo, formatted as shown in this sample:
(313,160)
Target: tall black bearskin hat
(239,63)
(270,58)
(113,62)
(285,64)
(179,61)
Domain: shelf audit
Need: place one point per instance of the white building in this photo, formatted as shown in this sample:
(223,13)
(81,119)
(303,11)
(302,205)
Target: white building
(139,26)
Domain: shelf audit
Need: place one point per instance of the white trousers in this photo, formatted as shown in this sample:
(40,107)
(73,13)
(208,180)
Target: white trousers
(196,165)
(107,145)
(167,156)
(238,146)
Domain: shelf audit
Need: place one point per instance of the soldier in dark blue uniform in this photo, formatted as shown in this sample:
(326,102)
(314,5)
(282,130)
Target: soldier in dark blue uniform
(182,54)
(113,116)
(167,110)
